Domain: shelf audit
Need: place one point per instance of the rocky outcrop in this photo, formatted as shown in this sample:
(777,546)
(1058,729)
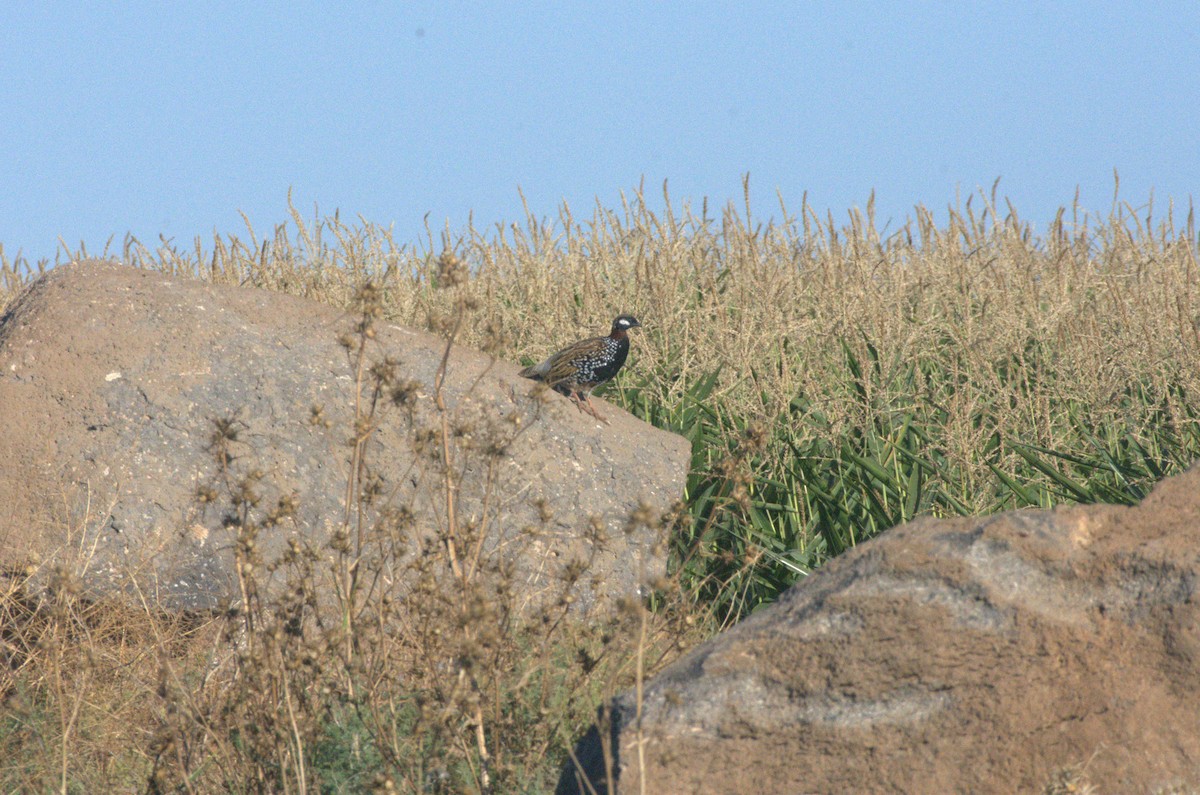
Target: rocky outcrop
(969,655)
(111,379)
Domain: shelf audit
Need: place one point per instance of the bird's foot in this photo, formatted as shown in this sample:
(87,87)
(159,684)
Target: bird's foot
(592,409)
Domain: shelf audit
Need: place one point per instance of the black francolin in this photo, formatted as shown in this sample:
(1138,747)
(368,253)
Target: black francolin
(578,369)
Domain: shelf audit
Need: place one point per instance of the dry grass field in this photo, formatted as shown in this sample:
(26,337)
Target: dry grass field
(834,379)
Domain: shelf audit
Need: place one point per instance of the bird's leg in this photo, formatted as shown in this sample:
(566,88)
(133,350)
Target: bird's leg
(574,395)
(592,409)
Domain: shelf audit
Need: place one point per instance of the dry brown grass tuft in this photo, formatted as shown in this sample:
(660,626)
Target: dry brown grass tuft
(78,681)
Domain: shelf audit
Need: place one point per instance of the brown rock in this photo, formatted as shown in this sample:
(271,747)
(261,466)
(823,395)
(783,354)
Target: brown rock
(969,655)
(111,377)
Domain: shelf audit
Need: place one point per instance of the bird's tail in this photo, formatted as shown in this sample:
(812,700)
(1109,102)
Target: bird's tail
(536,371)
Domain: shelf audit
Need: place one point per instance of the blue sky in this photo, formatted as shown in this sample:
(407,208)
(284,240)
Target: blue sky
(169,118)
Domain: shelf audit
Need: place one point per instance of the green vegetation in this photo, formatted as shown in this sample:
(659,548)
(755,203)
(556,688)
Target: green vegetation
(833,380)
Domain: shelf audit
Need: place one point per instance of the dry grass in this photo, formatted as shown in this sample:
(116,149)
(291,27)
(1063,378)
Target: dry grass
(1083,310)
(1075,315)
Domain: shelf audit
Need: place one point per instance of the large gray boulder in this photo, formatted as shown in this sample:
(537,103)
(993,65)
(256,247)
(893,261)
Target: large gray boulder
(110,381)
(988,655)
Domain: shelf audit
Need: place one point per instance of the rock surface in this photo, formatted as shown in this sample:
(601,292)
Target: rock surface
(111,377)
(946,656)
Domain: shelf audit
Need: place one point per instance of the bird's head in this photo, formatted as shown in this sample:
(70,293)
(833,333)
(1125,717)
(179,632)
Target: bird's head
(622,324)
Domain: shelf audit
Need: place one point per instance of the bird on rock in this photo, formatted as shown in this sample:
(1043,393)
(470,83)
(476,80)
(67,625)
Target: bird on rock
(579,368)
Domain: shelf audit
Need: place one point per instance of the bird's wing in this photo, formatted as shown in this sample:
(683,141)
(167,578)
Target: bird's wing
(563,366)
